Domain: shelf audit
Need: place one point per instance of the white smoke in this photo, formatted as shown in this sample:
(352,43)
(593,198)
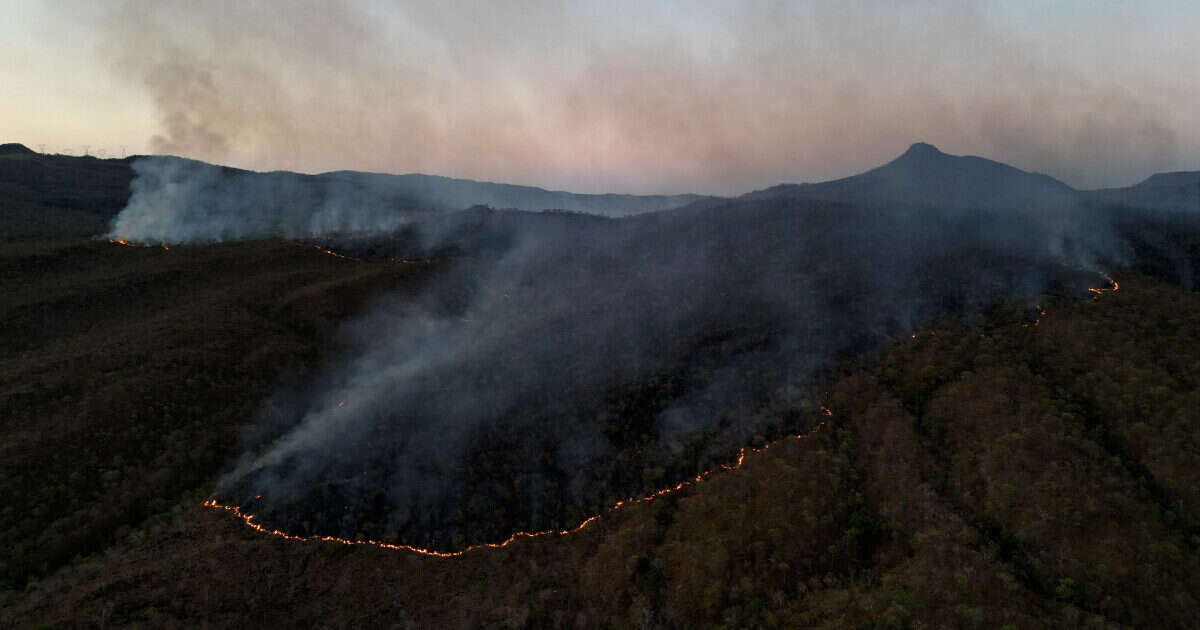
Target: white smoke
(174,200)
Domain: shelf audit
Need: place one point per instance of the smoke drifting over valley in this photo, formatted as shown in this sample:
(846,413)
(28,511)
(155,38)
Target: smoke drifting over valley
(557,362)
(175,200)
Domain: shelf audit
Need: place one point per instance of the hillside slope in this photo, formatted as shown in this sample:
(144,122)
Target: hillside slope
(129,373)
(1037,468)
(45,196)
(1034,476)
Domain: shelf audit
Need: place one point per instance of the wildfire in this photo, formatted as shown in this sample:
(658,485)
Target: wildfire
(333,253)
(323,250)
(403,261)
(1115,286)
(1042,312)
(250,520)
(121,241)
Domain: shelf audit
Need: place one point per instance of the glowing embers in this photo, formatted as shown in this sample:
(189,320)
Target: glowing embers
(121,241)
(1034,324)
(333,253)
(249,519)
(1115,286)
(403,261)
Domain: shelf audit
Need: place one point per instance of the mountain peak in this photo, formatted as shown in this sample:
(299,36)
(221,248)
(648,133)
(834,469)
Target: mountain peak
(15,148)
(922,149)
(923,156)
(926,176)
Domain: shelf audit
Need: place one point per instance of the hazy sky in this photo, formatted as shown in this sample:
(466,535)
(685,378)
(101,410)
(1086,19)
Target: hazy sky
(704,96)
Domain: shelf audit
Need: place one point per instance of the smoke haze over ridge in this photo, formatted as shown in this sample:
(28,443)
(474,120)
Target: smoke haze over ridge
(709,97)
(175,200)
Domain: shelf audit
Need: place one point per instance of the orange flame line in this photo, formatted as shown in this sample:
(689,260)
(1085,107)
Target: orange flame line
(1115,286)
(249,519)
(333,253)
(121,241)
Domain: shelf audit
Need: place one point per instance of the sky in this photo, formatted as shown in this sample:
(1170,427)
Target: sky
(706,96)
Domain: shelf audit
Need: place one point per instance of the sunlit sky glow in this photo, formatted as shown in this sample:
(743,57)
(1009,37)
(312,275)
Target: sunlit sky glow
(708,96)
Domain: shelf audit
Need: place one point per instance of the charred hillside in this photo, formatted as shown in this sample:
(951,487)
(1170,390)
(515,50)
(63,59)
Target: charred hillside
(1034,476)
(996,427)
(531,395)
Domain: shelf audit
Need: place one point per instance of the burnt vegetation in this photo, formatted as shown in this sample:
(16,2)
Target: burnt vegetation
(661,343)
(1009,466)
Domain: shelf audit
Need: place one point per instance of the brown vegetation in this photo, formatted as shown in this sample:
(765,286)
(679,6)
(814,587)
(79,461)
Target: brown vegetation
(129,372)
(999,476)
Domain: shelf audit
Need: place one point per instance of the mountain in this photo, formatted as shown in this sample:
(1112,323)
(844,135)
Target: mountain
(1176,179)
(1175,192)
(1032,468)
(463,193)
(43,195)
(923,175)
(15,148)
(176,200)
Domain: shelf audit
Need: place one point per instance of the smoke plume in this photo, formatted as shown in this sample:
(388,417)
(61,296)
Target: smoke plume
(557,362)
(724,97)
(561,361)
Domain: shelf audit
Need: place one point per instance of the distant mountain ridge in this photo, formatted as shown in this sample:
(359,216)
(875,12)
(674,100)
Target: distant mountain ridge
(924,175)
(1175,179)
(1177,191)
(463,193)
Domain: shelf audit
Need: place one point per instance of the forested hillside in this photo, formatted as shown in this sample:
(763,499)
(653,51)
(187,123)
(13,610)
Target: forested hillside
(1014,474)
(1002,465)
